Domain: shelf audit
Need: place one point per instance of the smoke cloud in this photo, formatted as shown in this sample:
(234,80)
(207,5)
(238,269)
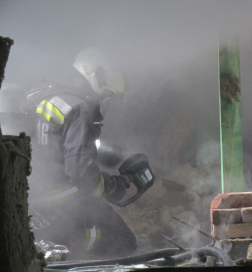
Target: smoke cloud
(168,50)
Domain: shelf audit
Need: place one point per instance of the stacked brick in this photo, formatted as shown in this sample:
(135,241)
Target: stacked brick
(231,215)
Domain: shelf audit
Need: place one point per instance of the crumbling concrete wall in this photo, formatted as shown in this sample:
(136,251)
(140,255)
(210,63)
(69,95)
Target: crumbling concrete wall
(17,241)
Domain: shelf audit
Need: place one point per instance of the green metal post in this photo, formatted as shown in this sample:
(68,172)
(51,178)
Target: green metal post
(230,110)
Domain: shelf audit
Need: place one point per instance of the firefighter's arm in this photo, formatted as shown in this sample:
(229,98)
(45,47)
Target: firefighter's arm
(80,160)
(80,151)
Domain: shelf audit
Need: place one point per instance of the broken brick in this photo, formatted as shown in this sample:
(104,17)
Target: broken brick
(225,216)
(224,231)
(232,201)
(246,215)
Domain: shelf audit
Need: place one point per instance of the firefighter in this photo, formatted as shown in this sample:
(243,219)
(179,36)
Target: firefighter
(67,186)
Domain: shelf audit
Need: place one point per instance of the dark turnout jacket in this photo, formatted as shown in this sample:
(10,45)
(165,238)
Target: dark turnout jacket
(64,150)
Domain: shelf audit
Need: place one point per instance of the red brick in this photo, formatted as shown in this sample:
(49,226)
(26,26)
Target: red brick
(242,230)
(232,201)
(225,216)
(246,215)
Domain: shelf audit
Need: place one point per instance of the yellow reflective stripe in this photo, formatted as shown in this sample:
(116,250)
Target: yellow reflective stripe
(87,239)
(56,197)
(61,105)
(55,192)
(50,113)
(92,238)
(99,189)
(53,108)
(45,114)
(98,238)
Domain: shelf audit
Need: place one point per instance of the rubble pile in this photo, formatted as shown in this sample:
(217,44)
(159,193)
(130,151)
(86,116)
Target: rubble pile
(185,193)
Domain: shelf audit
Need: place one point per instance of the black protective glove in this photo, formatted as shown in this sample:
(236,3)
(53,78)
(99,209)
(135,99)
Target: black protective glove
(135,169)
(115,186)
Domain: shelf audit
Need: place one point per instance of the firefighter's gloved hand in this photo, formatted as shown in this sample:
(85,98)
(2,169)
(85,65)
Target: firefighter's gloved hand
(115,186)
(127,179)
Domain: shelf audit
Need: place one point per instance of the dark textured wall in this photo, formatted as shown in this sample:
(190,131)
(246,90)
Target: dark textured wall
(17,248)
(5,45)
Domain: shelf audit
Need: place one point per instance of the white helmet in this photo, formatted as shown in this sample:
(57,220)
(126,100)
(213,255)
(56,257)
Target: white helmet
(102,74)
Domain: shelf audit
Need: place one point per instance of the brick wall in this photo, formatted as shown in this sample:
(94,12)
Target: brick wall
(231,215)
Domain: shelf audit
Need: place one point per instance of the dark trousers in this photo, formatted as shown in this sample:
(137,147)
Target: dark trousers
(71,220)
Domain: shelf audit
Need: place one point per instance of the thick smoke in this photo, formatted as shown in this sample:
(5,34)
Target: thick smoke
(169,52)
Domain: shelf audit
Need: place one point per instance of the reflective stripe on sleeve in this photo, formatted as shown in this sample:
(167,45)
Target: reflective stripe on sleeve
(92,238)
(61,105)
(50,113)
(99,189)
(54,110)
(57,197)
